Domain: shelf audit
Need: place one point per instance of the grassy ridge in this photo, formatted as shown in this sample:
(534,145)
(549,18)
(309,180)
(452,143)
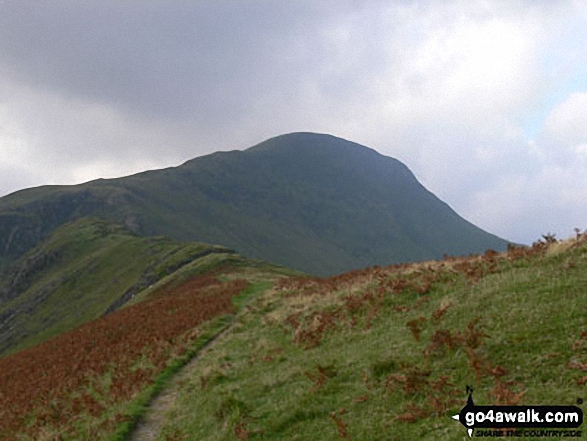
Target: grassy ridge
(386,353)
(82,271)
(93,381)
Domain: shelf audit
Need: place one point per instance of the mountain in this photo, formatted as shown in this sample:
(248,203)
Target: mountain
(312,202)
(89,268)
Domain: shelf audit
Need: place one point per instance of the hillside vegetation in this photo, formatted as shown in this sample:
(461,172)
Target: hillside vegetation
(92,381)
(386,353)
(311,202)
(382,353)
(89,268)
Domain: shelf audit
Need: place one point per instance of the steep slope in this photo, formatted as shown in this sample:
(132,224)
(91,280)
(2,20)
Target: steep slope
(89,268)
(312,202)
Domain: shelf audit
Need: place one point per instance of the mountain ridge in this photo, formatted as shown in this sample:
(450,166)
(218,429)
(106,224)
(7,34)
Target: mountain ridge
(313,202)
(88,269)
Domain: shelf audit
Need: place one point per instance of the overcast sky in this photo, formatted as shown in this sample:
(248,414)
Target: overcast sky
(485,101)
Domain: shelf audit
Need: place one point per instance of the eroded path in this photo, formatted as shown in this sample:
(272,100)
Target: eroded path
(150,425)
(153,421)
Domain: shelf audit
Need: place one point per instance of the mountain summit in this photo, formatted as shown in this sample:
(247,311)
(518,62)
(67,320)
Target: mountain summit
(313,202)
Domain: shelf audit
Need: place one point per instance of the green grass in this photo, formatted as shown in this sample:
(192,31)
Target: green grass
(80,272)
(256,382)
(139,406)
(136,409)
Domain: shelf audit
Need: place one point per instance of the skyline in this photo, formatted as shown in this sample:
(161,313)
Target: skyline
(484,101)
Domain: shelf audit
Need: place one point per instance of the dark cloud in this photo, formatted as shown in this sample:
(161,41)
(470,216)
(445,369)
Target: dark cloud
(168,59)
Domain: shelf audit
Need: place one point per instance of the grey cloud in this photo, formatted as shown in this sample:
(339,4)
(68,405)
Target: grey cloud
(169,59)
(207,73)
(14,178)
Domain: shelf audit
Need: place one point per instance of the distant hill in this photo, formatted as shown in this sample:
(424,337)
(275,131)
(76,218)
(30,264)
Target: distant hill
(312,202)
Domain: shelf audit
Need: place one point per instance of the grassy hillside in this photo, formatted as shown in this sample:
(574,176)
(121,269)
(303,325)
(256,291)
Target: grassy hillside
(312,202)
(382,353)
(386,353)
(92,381)
(87,269)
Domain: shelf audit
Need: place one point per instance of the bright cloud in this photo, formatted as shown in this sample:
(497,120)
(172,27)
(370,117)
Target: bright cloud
(568,120)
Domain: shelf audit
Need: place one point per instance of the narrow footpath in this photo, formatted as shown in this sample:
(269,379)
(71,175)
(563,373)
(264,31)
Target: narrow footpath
(150,425)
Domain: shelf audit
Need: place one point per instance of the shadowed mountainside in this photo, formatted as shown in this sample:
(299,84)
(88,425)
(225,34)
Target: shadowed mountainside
(312,202)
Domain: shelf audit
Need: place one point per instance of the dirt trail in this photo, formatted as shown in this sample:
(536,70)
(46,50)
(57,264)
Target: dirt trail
(150,425)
